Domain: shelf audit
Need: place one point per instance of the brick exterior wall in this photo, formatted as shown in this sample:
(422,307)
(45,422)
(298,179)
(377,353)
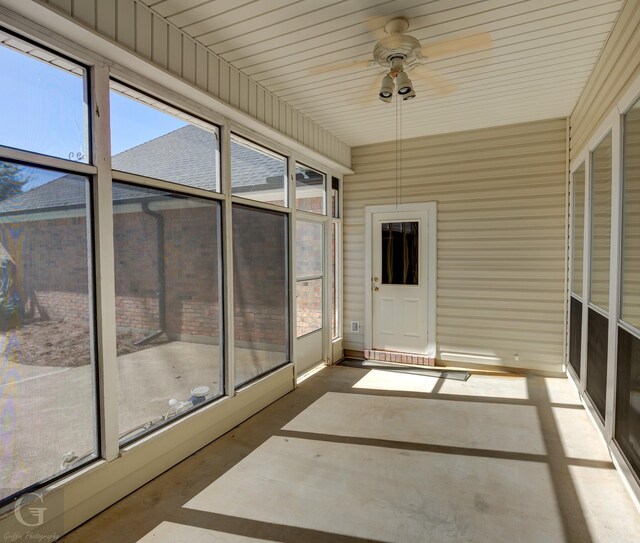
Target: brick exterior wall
(51,257)
(260,290)
(191,273)
(51,266)
(309,252)
(309,306)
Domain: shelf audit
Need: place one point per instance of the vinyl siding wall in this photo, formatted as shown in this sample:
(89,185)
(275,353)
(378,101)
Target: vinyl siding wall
(133,25)
(501,196)
(617,67)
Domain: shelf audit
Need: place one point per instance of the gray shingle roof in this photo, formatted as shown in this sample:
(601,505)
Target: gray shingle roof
(186,156)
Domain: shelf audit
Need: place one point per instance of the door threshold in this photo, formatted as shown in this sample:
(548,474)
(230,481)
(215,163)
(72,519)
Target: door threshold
(402,358)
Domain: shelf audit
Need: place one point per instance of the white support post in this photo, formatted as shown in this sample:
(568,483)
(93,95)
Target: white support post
(104,264)
(614,274)
(567,246)
(227,257)
(293,293)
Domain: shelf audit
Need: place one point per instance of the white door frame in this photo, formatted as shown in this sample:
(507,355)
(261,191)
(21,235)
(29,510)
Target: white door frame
(431,207)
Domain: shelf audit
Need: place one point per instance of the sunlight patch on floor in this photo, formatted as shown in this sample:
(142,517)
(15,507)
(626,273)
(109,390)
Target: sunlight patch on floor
(390,494)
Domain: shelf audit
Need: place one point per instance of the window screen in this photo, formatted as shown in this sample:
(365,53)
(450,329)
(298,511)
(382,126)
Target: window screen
(260,292)
(48,415)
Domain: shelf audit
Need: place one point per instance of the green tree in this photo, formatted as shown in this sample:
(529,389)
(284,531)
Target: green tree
(12,180)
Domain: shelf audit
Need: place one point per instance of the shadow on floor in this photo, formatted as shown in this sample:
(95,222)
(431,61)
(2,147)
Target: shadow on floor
(352,455)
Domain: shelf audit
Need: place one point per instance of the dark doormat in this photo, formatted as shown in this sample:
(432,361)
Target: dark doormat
(414,370)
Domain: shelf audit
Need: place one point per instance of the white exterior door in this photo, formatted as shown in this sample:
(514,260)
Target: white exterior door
(400,281)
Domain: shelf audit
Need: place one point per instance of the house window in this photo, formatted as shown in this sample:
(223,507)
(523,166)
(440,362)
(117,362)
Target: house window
(260,292)
(152,139)
(310,190)
(47,374)
(43,104)
(257,173)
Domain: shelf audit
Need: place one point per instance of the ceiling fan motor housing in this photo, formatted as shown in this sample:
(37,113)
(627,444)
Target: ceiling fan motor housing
(397,46)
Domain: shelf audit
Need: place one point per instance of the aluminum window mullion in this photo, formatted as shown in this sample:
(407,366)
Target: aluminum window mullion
(105,270)
(177,188)
(227,258)
(586,272)
(615,259)
(293,283)
(629,328)
(258,204)
(309,277)
(45,161)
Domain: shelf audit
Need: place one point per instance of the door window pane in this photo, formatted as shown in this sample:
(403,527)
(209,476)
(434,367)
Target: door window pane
(601,222)
(168,316)
(260,290)
(257,173)
(47,374)
(43,101)
(400,246)
(630,309)
(578,230)
(153,139)
(310,190)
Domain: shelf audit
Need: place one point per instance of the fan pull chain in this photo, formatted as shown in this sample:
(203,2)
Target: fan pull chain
(397,137)
(401,153)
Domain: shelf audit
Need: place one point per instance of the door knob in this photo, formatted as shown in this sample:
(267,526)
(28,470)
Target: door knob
(376,289)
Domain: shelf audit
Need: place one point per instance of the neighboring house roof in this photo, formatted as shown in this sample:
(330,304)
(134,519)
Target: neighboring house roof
(185,156)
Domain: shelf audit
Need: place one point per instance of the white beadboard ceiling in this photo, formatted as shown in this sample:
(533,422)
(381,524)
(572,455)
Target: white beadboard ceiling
(543,53)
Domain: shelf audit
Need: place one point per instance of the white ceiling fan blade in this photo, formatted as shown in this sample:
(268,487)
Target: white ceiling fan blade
(442,48)
(370,95)
(347,65)
(375,25)
(438,82)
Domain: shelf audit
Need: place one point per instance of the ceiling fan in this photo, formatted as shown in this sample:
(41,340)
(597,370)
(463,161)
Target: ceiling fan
(400,53)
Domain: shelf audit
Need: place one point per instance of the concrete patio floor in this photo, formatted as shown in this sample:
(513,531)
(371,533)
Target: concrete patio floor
(357,455)
(49,411)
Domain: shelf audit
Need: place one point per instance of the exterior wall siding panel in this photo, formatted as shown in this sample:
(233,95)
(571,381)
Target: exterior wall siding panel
(617,67)
(501,196)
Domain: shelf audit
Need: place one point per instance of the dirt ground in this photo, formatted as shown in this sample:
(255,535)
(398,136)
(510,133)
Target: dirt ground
(61,344)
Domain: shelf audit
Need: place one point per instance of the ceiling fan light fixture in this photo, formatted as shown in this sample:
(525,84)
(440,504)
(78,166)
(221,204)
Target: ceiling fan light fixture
(404,84)
(386,90)
(411,94)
